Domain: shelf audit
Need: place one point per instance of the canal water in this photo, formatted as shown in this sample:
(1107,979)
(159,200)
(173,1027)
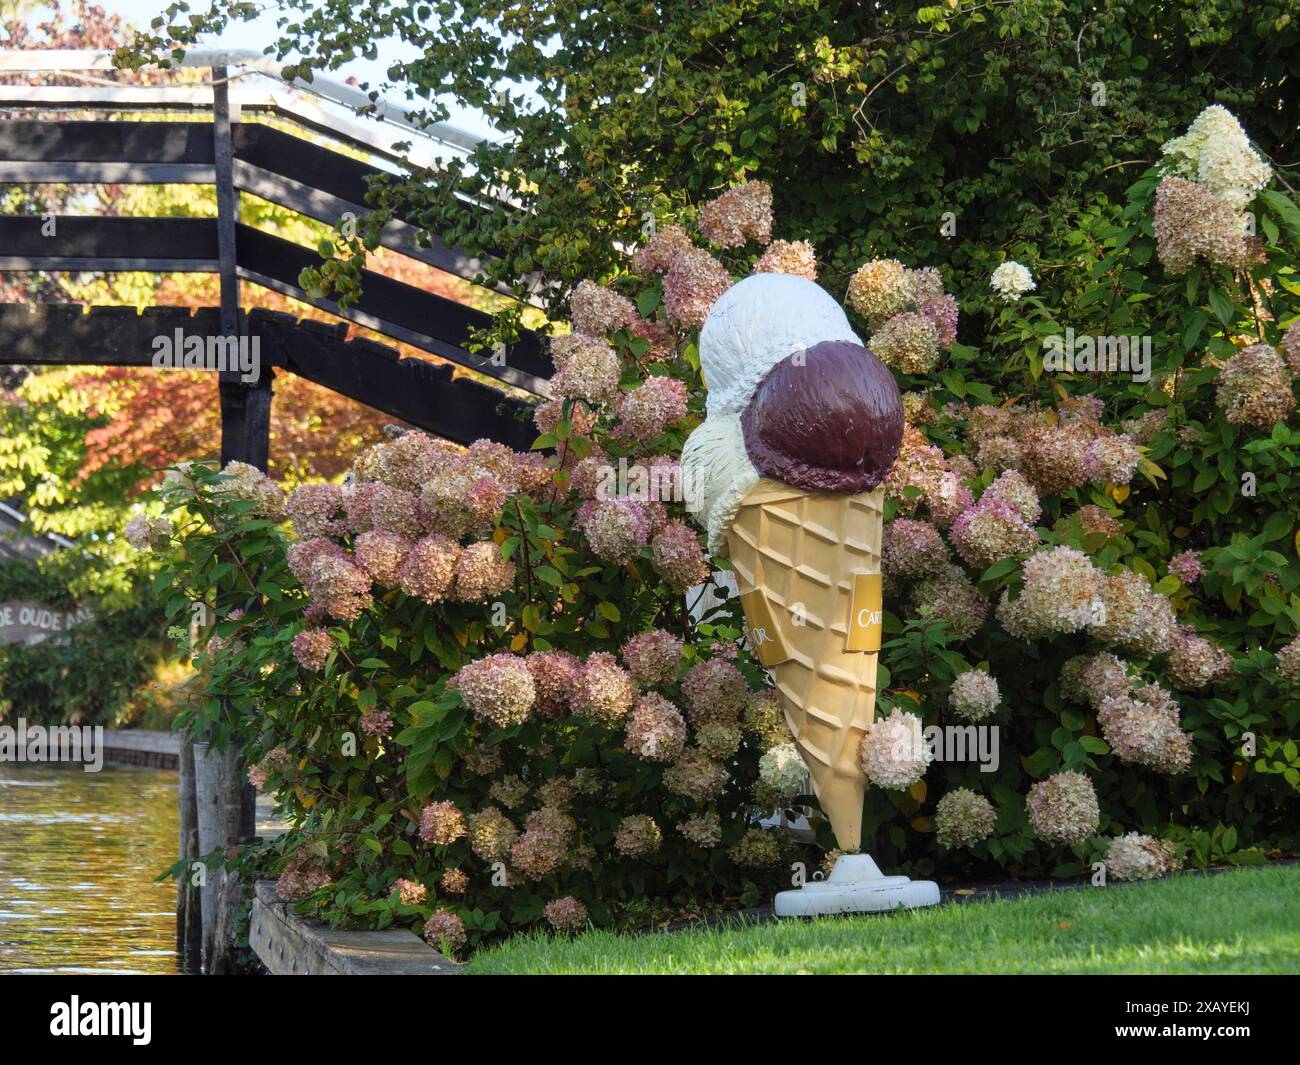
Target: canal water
(78,856)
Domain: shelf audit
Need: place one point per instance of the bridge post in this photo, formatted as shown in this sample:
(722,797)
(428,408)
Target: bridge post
(245,437)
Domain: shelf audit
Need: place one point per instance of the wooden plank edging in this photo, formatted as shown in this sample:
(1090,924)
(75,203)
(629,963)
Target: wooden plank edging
(145,747)
(289,945)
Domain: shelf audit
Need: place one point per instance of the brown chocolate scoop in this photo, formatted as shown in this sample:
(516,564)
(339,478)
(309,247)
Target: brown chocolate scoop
(827,419)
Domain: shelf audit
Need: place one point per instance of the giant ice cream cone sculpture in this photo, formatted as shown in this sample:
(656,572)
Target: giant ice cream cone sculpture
(803,424)
(802,621)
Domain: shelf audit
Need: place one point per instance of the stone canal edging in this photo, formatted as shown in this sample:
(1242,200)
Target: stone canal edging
(289,945)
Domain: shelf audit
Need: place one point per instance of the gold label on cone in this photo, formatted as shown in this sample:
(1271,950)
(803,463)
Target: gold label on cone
(764,635)
(866,622)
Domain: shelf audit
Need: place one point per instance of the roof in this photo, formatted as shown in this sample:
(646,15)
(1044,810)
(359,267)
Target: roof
(18,541)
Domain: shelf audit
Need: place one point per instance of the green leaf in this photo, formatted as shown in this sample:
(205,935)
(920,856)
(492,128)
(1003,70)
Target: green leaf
(1000,569)
(548,575)
(1222,306)
(1284,208)
(1277,526)
(648,302)
(1195,323)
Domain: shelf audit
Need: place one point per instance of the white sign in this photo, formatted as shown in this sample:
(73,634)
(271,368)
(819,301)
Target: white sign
(26,621)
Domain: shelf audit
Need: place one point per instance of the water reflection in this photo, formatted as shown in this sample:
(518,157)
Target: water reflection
(78,855)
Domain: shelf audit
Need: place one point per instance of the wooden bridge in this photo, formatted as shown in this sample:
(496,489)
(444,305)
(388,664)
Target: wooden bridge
(301,147)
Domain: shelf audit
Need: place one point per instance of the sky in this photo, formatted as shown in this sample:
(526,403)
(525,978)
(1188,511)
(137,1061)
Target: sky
(255,36)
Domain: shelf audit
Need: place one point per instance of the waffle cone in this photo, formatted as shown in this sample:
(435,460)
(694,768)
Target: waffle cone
(797,556)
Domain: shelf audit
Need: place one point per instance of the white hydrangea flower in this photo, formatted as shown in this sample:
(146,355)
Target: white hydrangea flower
(145,533)
(1012,280)
(963,818)
(1139,857)
(1062,593)
(783,770)
(893,753)
(1063,808)
(974,695)
(1216,151)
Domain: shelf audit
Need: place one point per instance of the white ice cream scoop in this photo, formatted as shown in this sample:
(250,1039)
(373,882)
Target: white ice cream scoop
(755,324)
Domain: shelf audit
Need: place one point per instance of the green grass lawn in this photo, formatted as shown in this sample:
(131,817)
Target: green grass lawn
(1244,921)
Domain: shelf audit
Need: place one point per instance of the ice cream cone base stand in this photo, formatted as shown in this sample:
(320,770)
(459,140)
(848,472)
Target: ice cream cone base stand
(803,424)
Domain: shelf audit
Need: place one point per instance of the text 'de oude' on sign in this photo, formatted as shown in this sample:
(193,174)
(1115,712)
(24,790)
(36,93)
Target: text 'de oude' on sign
(27,621)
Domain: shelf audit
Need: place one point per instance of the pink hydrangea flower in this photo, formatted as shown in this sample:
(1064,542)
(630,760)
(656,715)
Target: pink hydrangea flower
(429,567)
(714,690)
(660,338)
(597,311)
(498,689)
(395,510)
(442,823)
(656,730)
(482,573)
(663,249)
(646,411)
(312,647)
(616,528)
(653,657)
(445,931)
(377,722)
(796,257)
(989,531)
(1142,727)
(637,836)
(553,675)
(340,588)
(911,549)
(676,555)
(1195,662)
(317,510)
(544,846)
(739,215)
(1186,566)
(1289,345)
(409,892)
(602,689)
(304,553)
(380,555)
(942,312)
(302,875)
(1063,808)
(692,286)
(588,369)
(566,914)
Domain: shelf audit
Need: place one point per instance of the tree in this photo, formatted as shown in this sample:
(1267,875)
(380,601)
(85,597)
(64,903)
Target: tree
(874,126)
(80,444)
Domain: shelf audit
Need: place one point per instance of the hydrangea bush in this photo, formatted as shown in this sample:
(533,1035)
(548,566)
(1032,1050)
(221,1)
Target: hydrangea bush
(1098,554)
(498,689)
